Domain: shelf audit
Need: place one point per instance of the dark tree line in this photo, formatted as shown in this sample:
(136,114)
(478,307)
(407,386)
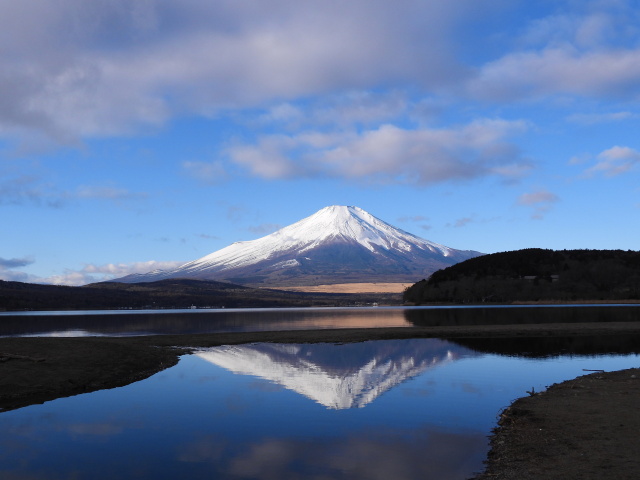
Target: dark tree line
(533,275)
(180,293)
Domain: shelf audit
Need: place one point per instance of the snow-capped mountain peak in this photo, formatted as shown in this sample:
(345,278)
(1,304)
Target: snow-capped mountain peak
(334,242)
(353,224)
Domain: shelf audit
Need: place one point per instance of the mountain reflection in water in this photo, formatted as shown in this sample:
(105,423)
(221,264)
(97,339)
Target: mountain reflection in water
(336,376)
(436,402)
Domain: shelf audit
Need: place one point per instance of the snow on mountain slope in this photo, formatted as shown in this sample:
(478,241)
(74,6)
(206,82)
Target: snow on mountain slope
(336,240)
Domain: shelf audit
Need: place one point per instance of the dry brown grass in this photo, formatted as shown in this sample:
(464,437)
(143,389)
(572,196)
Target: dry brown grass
(351,288)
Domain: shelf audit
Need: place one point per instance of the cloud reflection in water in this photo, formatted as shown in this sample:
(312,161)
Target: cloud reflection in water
(426,453)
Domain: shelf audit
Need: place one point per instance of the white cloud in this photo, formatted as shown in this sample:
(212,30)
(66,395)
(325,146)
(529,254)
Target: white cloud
(589,49)
(560,70)
(74,68)
(615,161)
(390,154)
(122,269)
(91,273)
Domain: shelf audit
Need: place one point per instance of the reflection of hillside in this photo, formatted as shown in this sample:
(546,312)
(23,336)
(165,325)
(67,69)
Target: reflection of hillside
(337,376)
(540,347)
(201,321)
(520,315)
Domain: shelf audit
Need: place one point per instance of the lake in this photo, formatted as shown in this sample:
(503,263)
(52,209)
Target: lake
(151,322)
(388,409)
(401,409)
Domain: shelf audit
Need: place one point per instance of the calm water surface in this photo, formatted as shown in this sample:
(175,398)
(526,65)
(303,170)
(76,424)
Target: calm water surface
(393,409)
(146,322)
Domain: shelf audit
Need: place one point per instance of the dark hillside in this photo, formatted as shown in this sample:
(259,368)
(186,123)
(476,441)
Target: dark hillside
(534,275)
(174,293)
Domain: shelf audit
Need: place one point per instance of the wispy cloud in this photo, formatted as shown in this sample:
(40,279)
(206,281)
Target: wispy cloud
(31,189)
(615,161)
(210,173)
(581,53)
(9,269)
(596,118)
(540,200)
(462,222)
(415,218)
(560,70)
(8,263)
(26,189)
(207,236)
(345,109)
(420,219)
(106,193)
(92,273)
(265,228)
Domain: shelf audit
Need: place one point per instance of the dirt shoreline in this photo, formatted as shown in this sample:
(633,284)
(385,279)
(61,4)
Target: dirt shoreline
(585,428)
(580,429)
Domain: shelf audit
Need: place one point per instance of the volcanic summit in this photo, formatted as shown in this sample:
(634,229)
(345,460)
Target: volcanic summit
(338,244)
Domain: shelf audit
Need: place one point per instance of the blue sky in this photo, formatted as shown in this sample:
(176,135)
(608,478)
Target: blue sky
(140,135)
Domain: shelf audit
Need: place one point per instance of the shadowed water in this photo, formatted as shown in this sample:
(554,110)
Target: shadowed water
(401,409)
(147,322)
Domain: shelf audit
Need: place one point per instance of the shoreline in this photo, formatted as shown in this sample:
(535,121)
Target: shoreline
(546,435)
(515,303)
(580,429)
(61,367)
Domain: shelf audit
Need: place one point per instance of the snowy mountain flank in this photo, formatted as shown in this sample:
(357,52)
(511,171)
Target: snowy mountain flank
(338,244)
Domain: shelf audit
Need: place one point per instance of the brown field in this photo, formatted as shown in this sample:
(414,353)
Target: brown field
(351,288)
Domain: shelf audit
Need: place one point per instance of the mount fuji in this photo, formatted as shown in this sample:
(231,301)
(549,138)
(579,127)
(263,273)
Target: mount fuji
(337,244)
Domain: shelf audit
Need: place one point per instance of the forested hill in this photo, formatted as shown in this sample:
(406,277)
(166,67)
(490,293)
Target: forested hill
(178,293)
(532,275)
